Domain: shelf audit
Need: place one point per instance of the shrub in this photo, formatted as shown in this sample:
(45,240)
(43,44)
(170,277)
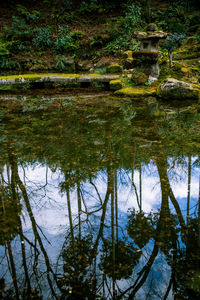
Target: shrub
(64,40)
(42,39)
(4,48)
(63,64)
(9,64)
(132,18)
(122,43)
(18,30)
(172,42)
(32,17)
(125,41)
(89,6)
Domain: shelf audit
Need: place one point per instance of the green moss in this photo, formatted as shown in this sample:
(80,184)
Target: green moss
(127,54)
(137,93)
(139,78)
(38,76)
(116,84)
(114,69)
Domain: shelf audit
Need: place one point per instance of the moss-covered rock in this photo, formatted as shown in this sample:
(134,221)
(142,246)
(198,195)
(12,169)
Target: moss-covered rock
(139,78)
(136,93)
(180,90)
(114,69)
(116,84)
(127,54)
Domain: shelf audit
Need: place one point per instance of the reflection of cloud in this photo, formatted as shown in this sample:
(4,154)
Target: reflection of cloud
(50,207)
(150,192)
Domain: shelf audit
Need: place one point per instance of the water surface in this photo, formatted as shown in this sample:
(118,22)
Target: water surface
(99,199)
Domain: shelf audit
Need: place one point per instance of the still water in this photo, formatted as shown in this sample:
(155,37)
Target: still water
(99,199)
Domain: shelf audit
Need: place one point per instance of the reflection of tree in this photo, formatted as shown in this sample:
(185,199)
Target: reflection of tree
(79,279)
(10,209)
(16,184)
(140,227)
(126,258)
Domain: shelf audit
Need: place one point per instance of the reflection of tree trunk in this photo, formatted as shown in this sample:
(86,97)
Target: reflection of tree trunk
(15,175)
(162,170)
(79,206)
(113,231)
(15,201)
(164,216)
(116,207)
(24,259)
(13,270)
(199,221)
(70,213)
(189,186)
(104,206)
(170,58)
(140,182)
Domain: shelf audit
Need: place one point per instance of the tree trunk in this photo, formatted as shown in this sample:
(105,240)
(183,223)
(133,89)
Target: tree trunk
(170,58)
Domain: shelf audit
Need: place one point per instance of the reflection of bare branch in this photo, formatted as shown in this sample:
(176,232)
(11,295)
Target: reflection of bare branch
(92,183)
(134,186)
(83,200)
(32,245)
(43,234)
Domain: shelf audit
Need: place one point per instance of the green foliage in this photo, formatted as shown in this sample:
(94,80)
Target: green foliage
(9,64)
(18,30)
(76,35)
(132,18)
(125,40)
(96,42)
(63,64)
(101,71)
(42,39)
(4,48)
(90,6)
(32,17)
(68,43)
(173,20)
(64,40)
(174,41)
(121,43)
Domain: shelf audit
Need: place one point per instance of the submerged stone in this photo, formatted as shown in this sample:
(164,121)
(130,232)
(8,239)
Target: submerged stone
(175,89)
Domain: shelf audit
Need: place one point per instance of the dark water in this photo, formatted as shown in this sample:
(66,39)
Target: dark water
(99,199)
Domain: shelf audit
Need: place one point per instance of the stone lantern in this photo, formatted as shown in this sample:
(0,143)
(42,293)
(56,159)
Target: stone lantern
(146,59)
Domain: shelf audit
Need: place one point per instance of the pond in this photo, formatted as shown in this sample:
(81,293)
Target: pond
(99,198)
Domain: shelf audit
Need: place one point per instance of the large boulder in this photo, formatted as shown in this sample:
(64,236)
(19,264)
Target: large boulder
(175,89)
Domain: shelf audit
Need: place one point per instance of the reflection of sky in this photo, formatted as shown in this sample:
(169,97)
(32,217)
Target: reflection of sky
(51,210)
